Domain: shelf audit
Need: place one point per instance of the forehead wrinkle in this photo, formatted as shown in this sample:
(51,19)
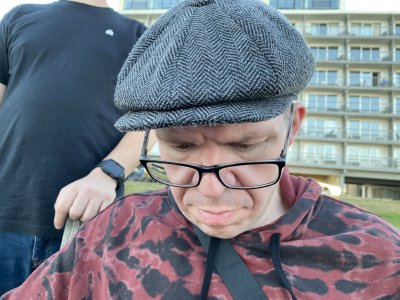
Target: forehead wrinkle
(222,134)
(176,134)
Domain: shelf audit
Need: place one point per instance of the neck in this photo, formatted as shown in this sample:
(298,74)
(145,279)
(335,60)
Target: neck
(99,3)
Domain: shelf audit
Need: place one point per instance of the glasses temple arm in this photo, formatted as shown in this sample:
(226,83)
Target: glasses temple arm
(285,147)
(145,142)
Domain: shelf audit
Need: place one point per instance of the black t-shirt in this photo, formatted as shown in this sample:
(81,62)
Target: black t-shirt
(60,62)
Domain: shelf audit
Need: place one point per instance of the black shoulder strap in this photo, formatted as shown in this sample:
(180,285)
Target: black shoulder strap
(233,271)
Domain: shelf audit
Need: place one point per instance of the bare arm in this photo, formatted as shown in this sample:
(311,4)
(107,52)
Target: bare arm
(85,197)
(2,92)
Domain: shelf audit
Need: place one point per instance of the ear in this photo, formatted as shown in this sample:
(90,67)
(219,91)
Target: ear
(299,113)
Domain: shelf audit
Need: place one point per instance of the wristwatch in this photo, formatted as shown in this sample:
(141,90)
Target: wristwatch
(114,170)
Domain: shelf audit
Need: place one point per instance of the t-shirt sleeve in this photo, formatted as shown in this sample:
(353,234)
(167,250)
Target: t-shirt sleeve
(4,49)
(140,31)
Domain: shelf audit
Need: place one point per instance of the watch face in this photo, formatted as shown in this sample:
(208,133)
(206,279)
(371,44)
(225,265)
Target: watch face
(112,168)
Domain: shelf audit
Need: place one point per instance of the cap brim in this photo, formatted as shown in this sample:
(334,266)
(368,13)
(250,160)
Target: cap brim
(226,113)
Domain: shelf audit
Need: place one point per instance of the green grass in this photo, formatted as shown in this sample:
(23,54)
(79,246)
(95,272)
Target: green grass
(141,186)
(385,208)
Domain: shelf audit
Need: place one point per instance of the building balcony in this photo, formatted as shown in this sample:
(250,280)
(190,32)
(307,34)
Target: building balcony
(353,82)
(369,31)
(340,134)
(362,109)
(381,59)
(150,4)
(334,161)
(329,57)
(320,81)
(324,30)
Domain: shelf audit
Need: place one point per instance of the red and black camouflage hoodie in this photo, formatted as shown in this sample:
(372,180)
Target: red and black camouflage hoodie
(142,247)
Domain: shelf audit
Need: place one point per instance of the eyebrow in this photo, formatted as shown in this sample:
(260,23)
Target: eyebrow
(249,136)
(255,135)
(167,135)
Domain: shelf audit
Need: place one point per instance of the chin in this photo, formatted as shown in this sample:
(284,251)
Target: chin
(222,233)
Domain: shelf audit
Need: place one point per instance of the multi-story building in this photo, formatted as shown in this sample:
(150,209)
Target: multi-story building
(351,136)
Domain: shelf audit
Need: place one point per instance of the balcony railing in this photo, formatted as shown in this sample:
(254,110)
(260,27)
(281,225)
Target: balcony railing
(339,106)
(350,134)
(150,4)
(371,162)
(369,31)
(322,30)
(328,56)
(321,133)
(329,80)
(338,161)
(370,56)
(332,30)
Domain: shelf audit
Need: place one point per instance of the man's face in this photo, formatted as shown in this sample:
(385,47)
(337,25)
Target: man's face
(217,210)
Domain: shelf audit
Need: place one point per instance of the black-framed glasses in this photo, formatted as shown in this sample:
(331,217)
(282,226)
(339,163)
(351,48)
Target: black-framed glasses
(243,175)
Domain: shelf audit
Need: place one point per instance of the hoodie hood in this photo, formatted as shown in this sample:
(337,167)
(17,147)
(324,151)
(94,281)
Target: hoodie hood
(300,196)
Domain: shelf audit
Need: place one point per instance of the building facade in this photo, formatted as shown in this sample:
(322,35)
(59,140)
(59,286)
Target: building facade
(351,136)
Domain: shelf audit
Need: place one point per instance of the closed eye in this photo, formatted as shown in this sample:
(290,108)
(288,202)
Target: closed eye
(243,147)
(182,147)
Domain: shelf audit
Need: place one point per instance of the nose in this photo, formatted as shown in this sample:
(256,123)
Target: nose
(210,186)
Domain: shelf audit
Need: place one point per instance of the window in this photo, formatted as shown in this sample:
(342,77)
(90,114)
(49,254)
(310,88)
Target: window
(397,132)
(150,4)
(396,79)
(397,106)
(365,29)
(370,104)
(358,78)
(331,102)
(365,157)
(365,54)
(283,4)
(321,128)
(325,78)
(135,4)
(321,102)
(355,53)
(305,4)
(325,53)
(314,127)
(366,130)
(325,29)
(397,29)
(319,29)
(320,153)
(397,55)
(396,160)
(324,4)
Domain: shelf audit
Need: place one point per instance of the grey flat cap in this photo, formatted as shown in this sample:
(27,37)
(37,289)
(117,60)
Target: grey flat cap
(209,62)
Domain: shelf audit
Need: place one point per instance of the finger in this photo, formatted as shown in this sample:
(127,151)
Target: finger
(91,209)
(78,207)
(106,204)
(62,205)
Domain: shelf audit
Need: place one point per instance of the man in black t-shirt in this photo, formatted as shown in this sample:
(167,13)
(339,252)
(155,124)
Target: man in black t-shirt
(58,68)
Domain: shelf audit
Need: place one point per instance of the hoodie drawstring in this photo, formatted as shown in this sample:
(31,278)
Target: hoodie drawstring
(212,253)
(276,260)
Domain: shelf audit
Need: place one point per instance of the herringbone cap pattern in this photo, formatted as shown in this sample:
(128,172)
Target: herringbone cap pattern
(209,62)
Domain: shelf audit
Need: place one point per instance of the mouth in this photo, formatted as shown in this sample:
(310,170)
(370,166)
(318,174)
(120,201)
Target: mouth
(215,218)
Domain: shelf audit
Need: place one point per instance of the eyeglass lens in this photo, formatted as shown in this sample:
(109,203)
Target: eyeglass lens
(246,175)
